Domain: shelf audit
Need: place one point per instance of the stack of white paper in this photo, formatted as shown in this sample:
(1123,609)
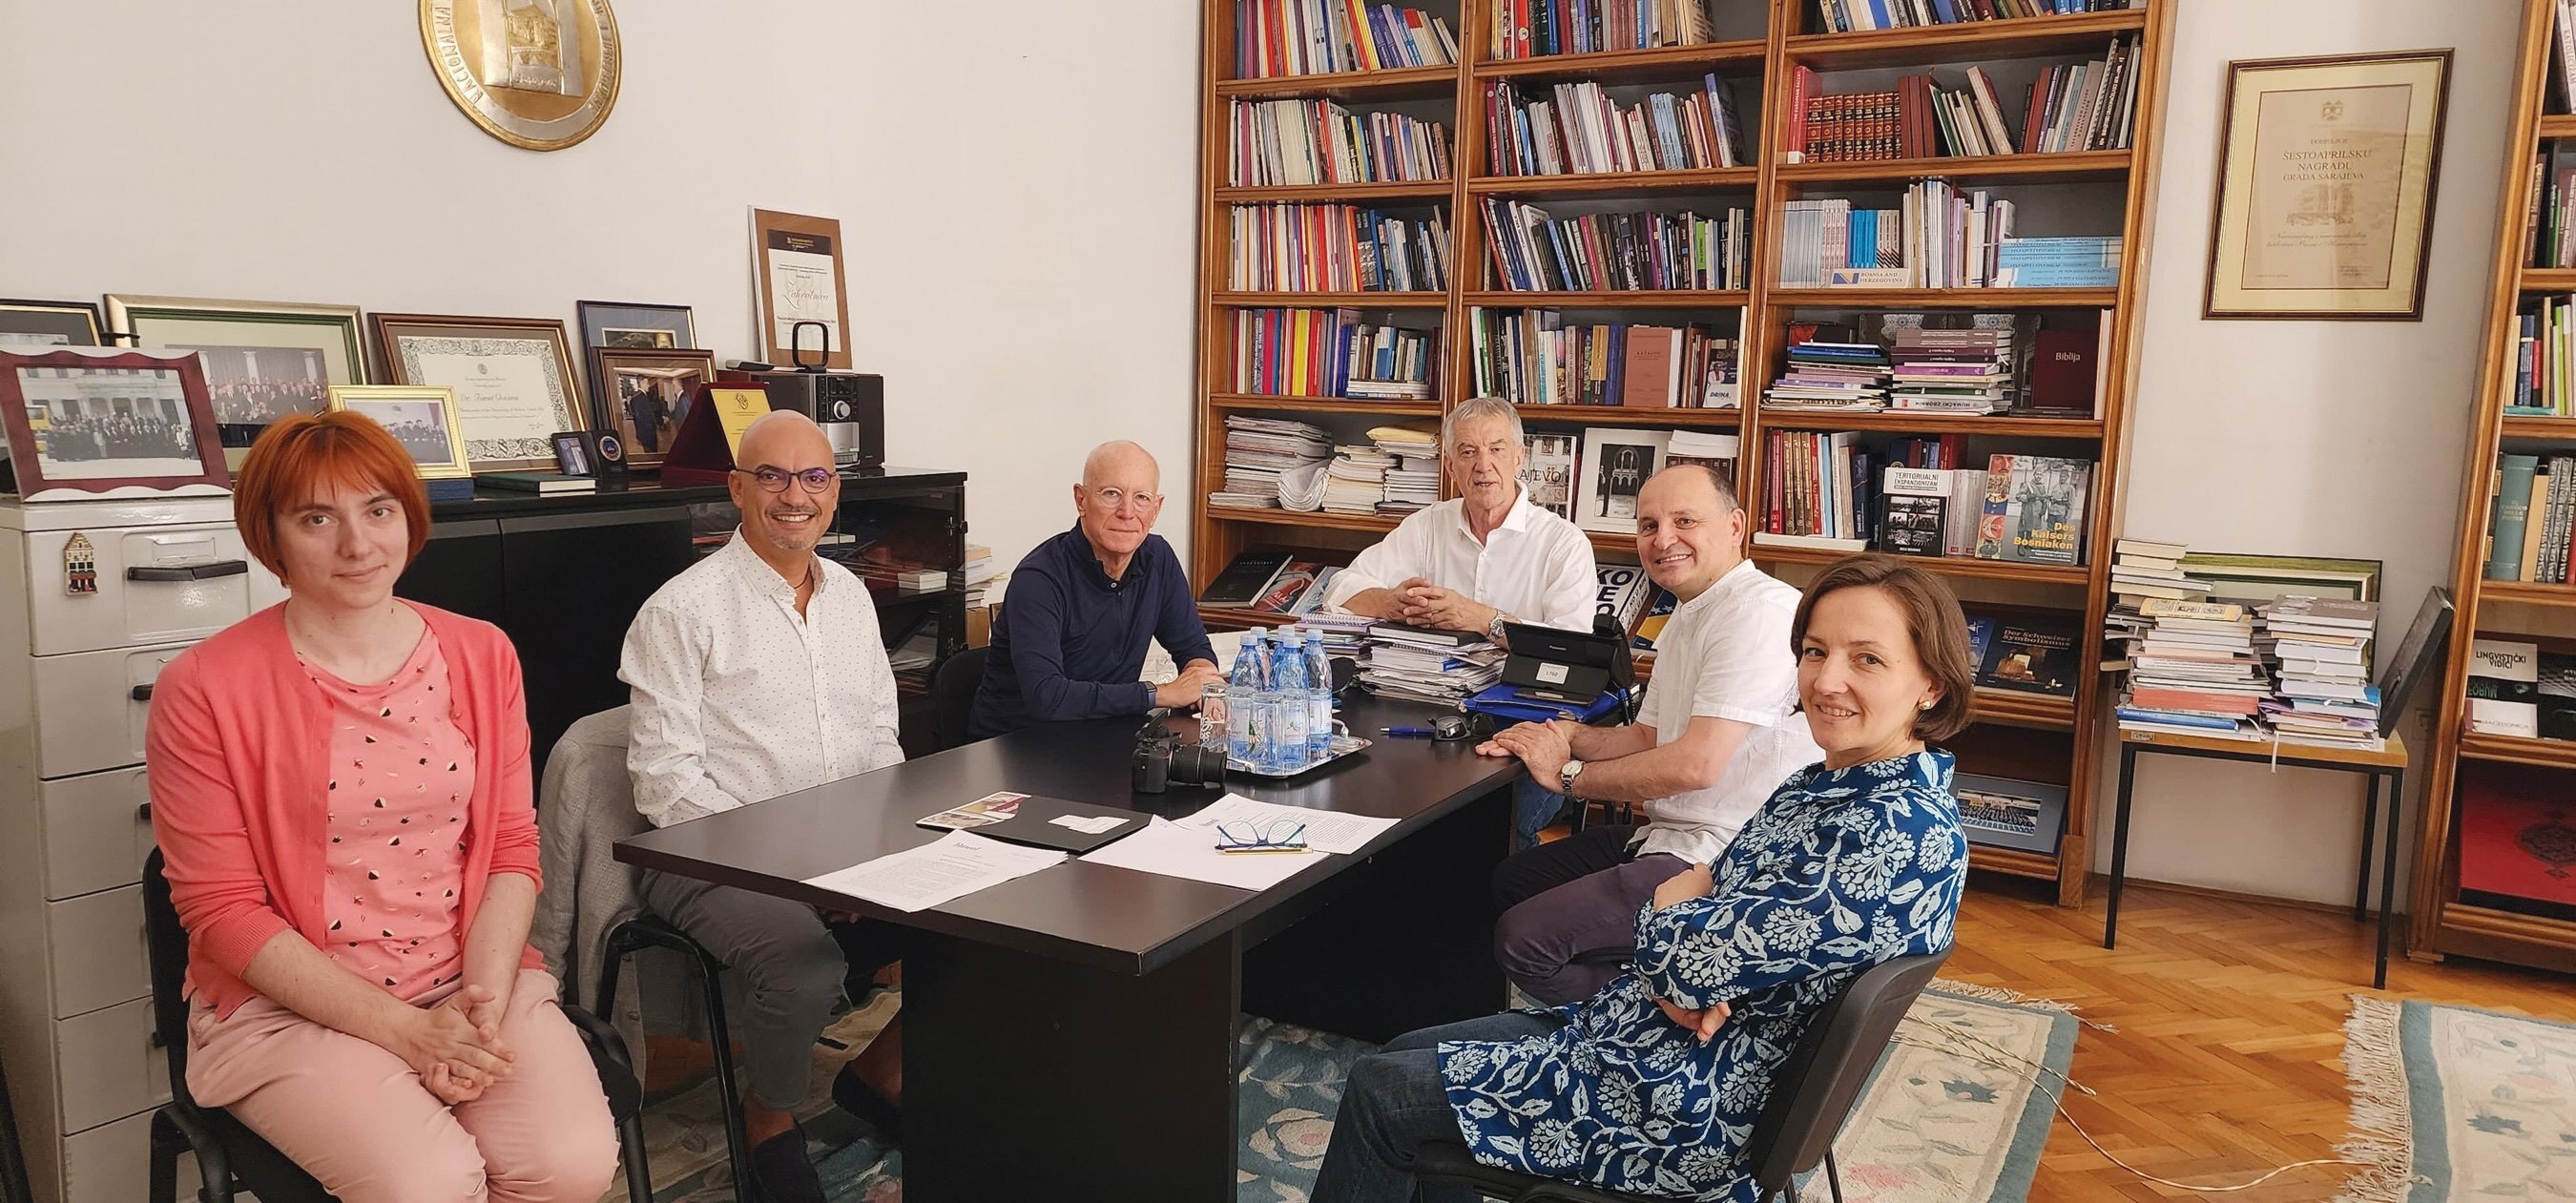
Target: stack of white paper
(948,869)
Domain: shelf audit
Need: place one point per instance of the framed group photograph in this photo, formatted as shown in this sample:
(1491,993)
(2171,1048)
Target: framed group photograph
(38,324)
(2325,186)
(264,359)
(1616,463)
(631,326)
(92,422)
(420,417)
(644,395)
(512,377)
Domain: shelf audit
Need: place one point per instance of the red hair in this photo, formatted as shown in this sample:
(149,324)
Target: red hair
(301,455)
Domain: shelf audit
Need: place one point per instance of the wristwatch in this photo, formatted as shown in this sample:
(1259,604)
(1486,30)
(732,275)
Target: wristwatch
(1565,777)
(1494,629)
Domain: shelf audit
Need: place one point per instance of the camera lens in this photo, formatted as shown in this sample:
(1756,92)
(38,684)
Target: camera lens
(1193,764)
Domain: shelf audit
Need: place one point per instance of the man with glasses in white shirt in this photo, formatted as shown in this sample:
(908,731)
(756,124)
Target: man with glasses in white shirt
(759,672)
(1082,606)
(1481,559)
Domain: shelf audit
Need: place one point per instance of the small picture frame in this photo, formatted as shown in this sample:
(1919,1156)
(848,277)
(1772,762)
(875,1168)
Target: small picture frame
(421,417)
(101,422)
(1616,463)
(644,395)
(572,453)
(43,325)
(638,327)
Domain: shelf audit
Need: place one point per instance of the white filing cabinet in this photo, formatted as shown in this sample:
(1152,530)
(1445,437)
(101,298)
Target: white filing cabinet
(76,671)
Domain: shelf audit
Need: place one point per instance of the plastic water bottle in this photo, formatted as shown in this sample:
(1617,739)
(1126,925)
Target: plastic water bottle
(1288,705)
(1319,699)
(1244,720)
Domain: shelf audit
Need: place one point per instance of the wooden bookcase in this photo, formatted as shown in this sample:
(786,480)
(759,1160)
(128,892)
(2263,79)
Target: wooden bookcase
(2048,738)
(2442,922)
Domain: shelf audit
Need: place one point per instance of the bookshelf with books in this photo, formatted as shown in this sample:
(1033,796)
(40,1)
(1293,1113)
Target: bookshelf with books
(1577,255)
(2503,751)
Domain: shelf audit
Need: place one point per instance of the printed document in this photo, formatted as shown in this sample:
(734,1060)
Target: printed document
(1326,831)
(956,865)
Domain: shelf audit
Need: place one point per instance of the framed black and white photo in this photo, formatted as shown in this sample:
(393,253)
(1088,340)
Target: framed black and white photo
(36,325)
(1616,464)
(93,422)
(422,418)
(264,359)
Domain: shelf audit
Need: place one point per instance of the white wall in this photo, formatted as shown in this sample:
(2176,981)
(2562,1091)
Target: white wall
(2305,438)
(1018,214)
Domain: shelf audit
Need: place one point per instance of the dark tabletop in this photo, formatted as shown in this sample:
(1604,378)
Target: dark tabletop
(1112,917)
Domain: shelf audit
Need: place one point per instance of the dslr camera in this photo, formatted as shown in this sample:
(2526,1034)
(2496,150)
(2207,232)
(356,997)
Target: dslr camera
(1163,759)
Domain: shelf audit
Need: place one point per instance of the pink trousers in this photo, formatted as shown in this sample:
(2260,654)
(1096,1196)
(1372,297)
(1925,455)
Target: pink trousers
(357,1118)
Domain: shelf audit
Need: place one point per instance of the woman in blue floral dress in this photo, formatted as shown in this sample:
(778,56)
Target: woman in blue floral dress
(1653,1084)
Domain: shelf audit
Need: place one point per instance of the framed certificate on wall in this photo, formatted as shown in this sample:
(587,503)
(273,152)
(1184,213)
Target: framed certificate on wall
(2325,186)
(512,377)
(797,280)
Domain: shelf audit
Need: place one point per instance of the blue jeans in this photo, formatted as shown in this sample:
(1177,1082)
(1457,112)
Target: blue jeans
(1394,1104)
(1534,806)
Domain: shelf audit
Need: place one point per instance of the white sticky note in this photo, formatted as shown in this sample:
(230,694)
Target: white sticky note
(1552,674)
(1087,825)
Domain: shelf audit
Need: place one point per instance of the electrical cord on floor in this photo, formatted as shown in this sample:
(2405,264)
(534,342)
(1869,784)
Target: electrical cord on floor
(1997,1057)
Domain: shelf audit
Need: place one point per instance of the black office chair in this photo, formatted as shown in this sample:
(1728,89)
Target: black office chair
(1812,1094)
(952,694)
(13,1159)
(233,1158)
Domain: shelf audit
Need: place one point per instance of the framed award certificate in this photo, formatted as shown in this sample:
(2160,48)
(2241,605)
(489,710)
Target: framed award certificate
(2325,187)
(798,292)
(512,377)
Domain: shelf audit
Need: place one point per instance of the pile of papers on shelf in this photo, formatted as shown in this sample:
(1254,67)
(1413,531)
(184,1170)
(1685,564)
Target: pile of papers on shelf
(1409,488)
(2321,655)
(980,577)
(1833,376)
(1258,451)
(1356,481)
(1302,488)
(1439,667)
(1953,371)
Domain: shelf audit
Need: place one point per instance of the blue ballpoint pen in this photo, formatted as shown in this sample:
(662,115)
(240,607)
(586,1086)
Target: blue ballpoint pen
(1408,732)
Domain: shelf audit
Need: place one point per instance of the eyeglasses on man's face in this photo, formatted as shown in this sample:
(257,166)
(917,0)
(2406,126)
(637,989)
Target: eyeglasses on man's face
(1114,499)
(774,480)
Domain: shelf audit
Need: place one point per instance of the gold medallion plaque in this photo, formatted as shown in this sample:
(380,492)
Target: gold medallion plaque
(537,74)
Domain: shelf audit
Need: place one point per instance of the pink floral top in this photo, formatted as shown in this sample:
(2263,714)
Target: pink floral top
(401,774)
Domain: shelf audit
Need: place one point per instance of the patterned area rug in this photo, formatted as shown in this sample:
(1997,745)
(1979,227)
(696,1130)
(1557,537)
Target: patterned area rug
(2452,1104)
(1956,1113)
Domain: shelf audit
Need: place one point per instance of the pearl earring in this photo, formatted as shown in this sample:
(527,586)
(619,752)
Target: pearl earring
(1927,704)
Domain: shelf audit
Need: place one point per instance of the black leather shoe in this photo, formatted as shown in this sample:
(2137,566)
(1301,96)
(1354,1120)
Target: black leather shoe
(855,1096)
(782,1172)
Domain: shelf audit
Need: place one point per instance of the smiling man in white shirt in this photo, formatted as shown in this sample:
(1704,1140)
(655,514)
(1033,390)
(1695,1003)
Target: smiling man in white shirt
(755,673)
(1718,733)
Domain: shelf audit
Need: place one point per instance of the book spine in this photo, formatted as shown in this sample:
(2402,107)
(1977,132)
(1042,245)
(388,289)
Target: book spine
(2512,511)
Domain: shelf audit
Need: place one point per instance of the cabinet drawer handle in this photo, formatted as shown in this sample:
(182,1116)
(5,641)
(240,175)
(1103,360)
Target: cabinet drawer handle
(143,813)
(142,693)
(188,572)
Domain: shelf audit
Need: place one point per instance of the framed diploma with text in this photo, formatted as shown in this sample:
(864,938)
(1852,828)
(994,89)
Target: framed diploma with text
(2325,186)
(796,278)
(512,377)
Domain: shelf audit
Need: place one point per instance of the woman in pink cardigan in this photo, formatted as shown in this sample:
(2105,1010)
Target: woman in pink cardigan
(340,790)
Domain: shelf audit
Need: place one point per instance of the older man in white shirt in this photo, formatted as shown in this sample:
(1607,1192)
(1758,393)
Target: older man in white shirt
(759,672)
(1719,732)
(1479,560)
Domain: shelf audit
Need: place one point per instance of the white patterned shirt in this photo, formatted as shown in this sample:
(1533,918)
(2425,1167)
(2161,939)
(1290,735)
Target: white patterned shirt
(1725,654)
(737,699)
(1536,566)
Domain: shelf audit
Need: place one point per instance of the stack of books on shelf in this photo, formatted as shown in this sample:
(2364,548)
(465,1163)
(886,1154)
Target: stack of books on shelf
(1260,451)
(1356,482)
(1531,29)
(1312,37)
(1327,247)
(1829,370)
(1532,357)
(1819,491)
(1953,371)
(2025,653)
(2320,653)
(882,576)
(2193,669)
(1614,252)
(2087,261)
(1330,353)
(2143,570)
(1850,16)
(2532,519)
(1439,667)
(2517,688)
(1414,482)
(1295,143)
(1937,237)
(980,577)
(1578,129)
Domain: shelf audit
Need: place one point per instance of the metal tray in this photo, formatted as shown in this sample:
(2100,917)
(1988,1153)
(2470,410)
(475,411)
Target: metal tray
(1342,745)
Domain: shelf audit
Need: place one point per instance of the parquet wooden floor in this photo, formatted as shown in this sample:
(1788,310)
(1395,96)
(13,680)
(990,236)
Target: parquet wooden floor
(2228,1058)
